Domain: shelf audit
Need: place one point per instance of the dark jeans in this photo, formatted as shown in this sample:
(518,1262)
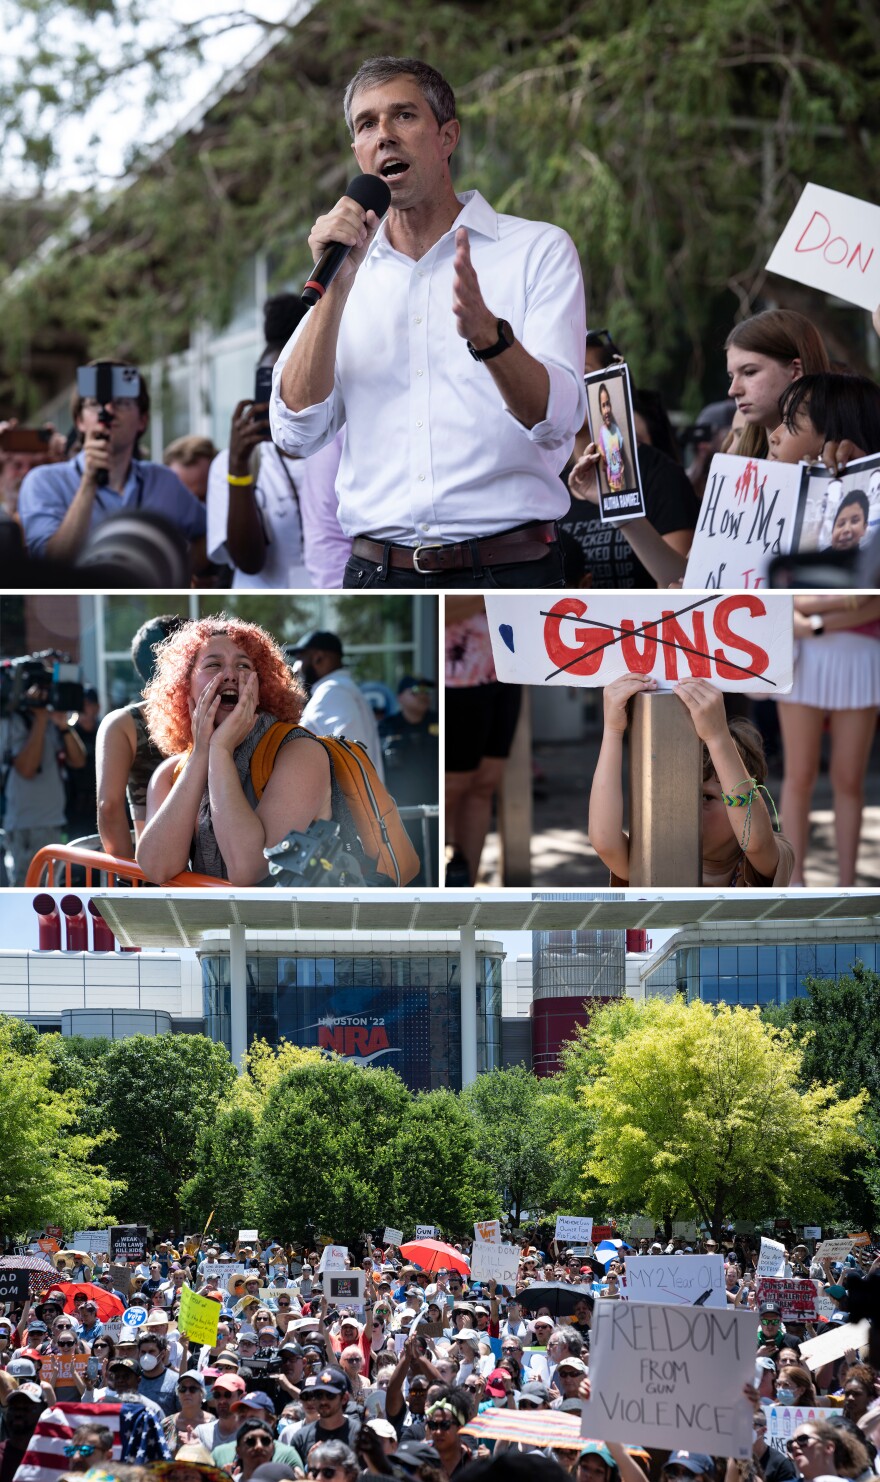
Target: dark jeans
(360,575)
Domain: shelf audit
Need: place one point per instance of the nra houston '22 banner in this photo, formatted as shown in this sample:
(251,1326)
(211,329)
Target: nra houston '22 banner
(384,1026)
(738,641)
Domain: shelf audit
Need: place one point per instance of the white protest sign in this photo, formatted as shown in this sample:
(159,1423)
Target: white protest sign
(488,1231)
(671,1377)
(682,1279)
(333,1258)
(686,1229)
(833,1343)
(426,1232)
(391,1236)
(795,1296)
(771,1261)
(133,1317)
(221,1268)
(345,1288)
(748,514)
(640,1227)
(113,1329)
(812,1232)
(783,1420)
(574,1227)
(498,1261)
(246,1236)
(831,242)
(834,1250)
(94,1241)
(740,642)
(826,1307)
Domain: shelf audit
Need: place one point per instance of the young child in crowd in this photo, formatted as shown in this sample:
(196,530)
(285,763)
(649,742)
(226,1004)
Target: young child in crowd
(740,845)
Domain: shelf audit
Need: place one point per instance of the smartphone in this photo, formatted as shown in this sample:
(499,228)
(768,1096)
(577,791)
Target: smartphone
(25,440)
(263,394)
(106,382)
(93,1370)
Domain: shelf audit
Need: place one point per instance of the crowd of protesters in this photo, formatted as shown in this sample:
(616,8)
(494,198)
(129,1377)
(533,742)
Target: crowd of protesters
(295,1386)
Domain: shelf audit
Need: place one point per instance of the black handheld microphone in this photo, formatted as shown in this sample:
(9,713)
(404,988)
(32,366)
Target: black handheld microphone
(371,192)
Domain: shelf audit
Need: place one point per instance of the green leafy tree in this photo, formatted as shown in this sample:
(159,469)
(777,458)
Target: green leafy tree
(157,1093)
(326,1150)
(223,1184)
(509,1109)
(51,1171)
(440,1176)
(701,1108)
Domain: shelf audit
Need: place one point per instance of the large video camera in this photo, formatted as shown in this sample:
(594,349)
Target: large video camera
(57,682)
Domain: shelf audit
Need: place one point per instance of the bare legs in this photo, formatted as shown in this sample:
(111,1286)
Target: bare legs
(852,733)
(469,809)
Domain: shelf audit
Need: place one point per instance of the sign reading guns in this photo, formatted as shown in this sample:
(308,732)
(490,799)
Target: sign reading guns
(740,643)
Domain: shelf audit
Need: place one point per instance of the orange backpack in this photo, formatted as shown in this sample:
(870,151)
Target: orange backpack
(377,820)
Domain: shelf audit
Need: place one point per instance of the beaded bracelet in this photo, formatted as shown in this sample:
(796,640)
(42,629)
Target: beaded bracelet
(239,482)
(744,800)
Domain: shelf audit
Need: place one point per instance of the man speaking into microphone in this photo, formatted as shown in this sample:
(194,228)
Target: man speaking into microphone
(450,346)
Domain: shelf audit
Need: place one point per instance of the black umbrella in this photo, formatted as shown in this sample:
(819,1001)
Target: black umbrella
(559,1297)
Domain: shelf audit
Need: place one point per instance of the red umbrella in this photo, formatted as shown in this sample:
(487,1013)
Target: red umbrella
(108,1306)
(432,1254)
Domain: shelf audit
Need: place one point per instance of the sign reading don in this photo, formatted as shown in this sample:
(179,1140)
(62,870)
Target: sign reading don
(740,642)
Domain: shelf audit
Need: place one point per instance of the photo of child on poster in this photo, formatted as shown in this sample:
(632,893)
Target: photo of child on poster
(840,514)
(613,440)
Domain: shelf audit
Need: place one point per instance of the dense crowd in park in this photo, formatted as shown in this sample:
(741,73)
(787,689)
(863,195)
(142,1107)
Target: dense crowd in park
(107,1369)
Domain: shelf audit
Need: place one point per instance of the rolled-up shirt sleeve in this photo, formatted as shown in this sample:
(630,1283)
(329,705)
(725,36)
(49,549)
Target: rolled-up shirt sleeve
(555,332)
(300,434)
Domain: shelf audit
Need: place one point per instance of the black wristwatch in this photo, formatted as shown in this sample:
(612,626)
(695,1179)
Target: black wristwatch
(504,341)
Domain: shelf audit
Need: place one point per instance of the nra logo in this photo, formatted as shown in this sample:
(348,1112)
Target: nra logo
(354,1039)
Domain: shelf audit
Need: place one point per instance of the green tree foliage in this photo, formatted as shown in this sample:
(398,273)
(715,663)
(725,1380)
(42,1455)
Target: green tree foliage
(510,1113)
(157,1093)
(670,138)
(223,1183)
(440,1176)
(699,1108)
(51,1172)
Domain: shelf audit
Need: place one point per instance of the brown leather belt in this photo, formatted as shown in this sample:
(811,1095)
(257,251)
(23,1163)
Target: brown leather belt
(528,543)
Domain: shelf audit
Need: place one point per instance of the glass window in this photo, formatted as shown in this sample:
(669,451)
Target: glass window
(748,992)
(325,972)
(727,964)
(709,960)
(400,972)
(419,972)
(437,971)
(747,960)
(362,972)
(767,961)
(846,954)
(767,989)
(381,972)
(344,972)
(710,990)
(305,971)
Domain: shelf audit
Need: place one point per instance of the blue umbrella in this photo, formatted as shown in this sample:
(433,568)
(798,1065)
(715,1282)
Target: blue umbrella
(608,1250)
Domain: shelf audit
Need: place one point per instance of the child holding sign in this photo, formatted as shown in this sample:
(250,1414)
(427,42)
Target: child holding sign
(740,846)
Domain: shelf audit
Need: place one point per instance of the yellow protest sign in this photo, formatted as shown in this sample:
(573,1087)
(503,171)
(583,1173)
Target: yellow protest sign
(199,1317)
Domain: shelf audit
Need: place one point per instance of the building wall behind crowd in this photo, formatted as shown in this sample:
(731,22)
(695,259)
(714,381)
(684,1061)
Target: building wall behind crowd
(754,964)
(378,1002)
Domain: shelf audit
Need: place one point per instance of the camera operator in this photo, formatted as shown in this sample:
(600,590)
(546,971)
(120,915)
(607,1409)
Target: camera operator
(61,504)
(30,741)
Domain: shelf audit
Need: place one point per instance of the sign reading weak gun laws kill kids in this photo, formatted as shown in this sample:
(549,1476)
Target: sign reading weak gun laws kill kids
(741,643)
(671,1377)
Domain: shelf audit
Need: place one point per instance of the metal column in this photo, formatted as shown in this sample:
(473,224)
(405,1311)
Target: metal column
(665,792)
(468,958)
(238,993)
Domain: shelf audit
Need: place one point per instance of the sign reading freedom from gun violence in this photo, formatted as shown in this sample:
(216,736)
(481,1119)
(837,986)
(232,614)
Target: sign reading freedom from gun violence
(741,643)
(671,1377)
(693,1281)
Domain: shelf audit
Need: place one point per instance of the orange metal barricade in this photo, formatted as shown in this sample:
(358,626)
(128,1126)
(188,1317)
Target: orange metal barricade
(53,867)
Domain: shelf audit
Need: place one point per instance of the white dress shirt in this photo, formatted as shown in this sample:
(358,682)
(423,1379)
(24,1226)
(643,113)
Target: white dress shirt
(337,707)
(431,451)
(305,545)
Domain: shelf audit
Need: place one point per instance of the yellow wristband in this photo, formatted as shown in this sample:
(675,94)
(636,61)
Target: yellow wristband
(239,483)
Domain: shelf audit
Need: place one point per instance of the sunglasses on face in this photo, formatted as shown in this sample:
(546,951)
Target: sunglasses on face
(82,1450)
(188,1389)
(253,1441)
(65,1345)
(800,1442)
(322,1472)
(438,1425)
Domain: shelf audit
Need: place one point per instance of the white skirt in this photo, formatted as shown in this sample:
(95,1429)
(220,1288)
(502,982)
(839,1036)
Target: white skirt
(836,671)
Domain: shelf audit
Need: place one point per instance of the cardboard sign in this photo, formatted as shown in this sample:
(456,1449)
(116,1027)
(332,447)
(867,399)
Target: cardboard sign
(641,1228)
(121,1279)
(831,242)
(690,1281)
(346,1289)
(333,1258)
(749,514)
(426,1232)
(671,1377)
(574,1227)
(128,1244)
(199,1317)
(795,1295)
(771,1260)
(14,1284)
(812,1232)
(740,642)
(488,1231)
(247,1237)
(685,1229)
(96,1242)
(500,1262)
(834,1250)
(833,1343)
(783,1421)
(392,1237)
(612,429)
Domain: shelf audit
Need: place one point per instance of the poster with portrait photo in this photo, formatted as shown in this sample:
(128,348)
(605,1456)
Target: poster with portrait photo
(612,429)
(839,513)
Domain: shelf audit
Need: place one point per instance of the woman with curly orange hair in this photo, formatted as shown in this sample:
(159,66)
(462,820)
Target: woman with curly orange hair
(219,685)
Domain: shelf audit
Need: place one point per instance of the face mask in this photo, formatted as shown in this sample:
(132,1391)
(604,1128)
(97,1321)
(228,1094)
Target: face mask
(785,1396)
(149,1362)
(499,1401)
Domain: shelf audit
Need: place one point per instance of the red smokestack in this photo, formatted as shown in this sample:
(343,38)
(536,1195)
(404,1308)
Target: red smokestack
(77,927)
(636,940)
(49,923)
(103,939)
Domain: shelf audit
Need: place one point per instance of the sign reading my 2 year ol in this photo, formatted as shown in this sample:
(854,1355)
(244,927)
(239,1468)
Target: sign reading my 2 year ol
(741,642)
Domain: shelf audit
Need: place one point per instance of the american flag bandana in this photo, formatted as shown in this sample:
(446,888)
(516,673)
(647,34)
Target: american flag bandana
(137,1437)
